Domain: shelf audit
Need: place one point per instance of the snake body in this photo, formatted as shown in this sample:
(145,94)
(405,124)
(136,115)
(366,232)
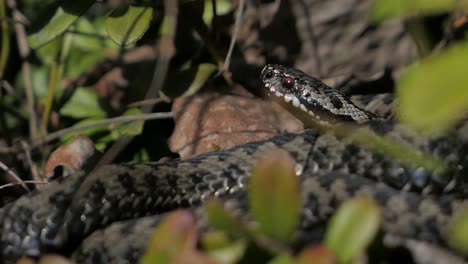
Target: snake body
(68,211)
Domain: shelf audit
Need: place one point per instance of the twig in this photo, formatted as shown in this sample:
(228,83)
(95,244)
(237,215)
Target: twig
(166,51)
(22,183)
(151,102)
(61,133)
(7,86)
(24,53)
(13,174)
(237,24)
(32,165)
(8,150)
(5,40)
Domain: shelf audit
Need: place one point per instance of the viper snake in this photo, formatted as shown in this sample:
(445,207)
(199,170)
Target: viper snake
(106,216)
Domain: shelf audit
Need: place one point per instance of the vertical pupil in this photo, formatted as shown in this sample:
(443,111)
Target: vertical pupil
(288,82)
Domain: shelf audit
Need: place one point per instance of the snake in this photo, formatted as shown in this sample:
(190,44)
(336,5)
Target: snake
(105,216)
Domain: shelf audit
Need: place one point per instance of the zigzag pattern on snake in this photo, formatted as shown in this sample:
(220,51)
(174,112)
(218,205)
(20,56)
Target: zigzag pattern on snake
(58,218)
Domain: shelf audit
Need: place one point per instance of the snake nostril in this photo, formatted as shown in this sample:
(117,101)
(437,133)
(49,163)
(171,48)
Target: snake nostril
(288,82)
(268,74)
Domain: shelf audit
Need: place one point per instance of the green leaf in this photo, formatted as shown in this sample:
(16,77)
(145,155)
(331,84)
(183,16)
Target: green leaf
(230,253)
(457,231)
(128,128)
(127,24)
(383,9)
(222,8)
(316,254)
(282,259)
(223,220)
(83,104)
(189,81)
(274,195)
(67,13)
(89,131)
(433,93)
(175,234)
(352,228)
(202,73)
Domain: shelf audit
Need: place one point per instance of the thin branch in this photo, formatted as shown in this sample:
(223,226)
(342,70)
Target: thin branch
(151,102)
(34,170)
(8,150)
(237,24)
(5,40)
(24,51)
(63,132)
(22,183)
(13,174)
(7,87)
(166,51)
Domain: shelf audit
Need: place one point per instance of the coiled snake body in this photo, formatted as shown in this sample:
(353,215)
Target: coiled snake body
(58,218)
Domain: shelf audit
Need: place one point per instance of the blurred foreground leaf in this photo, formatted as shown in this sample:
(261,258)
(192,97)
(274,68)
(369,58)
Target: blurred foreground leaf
(174,241)
(223,220)
(316,254)
(457,231)
(352,228)
(383,9)
(127,24)
(433,93)
(274,195)
(65,15)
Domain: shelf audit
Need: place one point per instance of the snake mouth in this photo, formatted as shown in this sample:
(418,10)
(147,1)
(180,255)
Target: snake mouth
(299,107)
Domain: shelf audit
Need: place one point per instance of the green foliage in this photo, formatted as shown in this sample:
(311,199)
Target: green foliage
(274,196)
(127,24)
(383,9)
(433,92)
(65,15)
(457,231)
(352,228)
(83,104)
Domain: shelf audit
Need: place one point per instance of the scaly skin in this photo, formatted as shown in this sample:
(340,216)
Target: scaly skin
(54,219)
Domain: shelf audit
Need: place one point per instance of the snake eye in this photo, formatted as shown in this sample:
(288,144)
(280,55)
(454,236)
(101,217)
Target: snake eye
(288,82)
(268,74)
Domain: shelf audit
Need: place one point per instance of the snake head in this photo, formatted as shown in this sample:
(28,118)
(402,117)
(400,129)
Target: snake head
(308,97)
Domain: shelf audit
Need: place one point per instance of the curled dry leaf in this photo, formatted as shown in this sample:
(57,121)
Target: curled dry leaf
(79,154)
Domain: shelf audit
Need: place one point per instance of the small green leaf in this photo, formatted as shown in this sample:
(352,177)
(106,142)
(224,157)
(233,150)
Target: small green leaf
(283,259)
(174,241)
(128,128)
(222,8)
(89,131)
(457,231)
(127,24)
(352,228)
(188,81)
(224,221)
(274,195)
(383,9)
(433,93)
(67,13)
(229,253)
(83,104)
(316,254)
(203,72)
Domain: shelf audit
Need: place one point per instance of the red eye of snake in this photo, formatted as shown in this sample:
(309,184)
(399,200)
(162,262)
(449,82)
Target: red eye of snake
(288,82)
